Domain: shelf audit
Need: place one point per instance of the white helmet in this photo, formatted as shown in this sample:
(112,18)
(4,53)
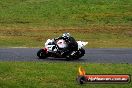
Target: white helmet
(66,35)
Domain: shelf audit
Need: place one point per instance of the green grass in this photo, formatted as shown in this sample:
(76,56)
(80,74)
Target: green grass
(56,75)
(64,13)
(28,23)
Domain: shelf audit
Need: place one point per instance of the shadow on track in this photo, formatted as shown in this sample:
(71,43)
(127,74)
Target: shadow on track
(61,60)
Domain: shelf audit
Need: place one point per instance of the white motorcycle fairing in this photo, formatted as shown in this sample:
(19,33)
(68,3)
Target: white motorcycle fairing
(81,44)
(61,43)
(48,45)
(52,47)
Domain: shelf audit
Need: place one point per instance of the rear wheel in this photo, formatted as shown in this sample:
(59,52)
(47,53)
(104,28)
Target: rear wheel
(79,54)
(41,54)
(72,56)
(82,52)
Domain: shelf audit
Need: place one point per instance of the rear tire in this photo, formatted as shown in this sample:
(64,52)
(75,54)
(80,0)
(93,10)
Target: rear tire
(76,56)
(82,51)
(41,54)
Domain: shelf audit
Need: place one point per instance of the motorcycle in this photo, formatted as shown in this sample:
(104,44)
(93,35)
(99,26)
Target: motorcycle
(53,48)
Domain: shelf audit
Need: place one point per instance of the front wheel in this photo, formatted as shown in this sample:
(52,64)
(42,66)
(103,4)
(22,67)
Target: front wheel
(41,54)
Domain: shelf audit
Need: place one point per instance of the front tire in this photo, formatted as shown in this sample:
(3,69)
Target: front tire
(41,54)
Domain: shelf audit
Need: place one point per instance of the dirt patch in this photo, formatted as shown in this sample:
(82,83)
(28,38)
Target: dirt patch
(92,29)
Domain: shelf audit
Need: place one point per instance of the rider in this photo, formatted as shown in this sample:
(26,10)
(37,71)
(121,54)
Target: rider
(71,43)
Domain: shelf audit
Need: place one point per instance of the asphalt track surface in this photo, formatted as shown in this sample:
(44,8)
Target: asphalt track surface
(106,55)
